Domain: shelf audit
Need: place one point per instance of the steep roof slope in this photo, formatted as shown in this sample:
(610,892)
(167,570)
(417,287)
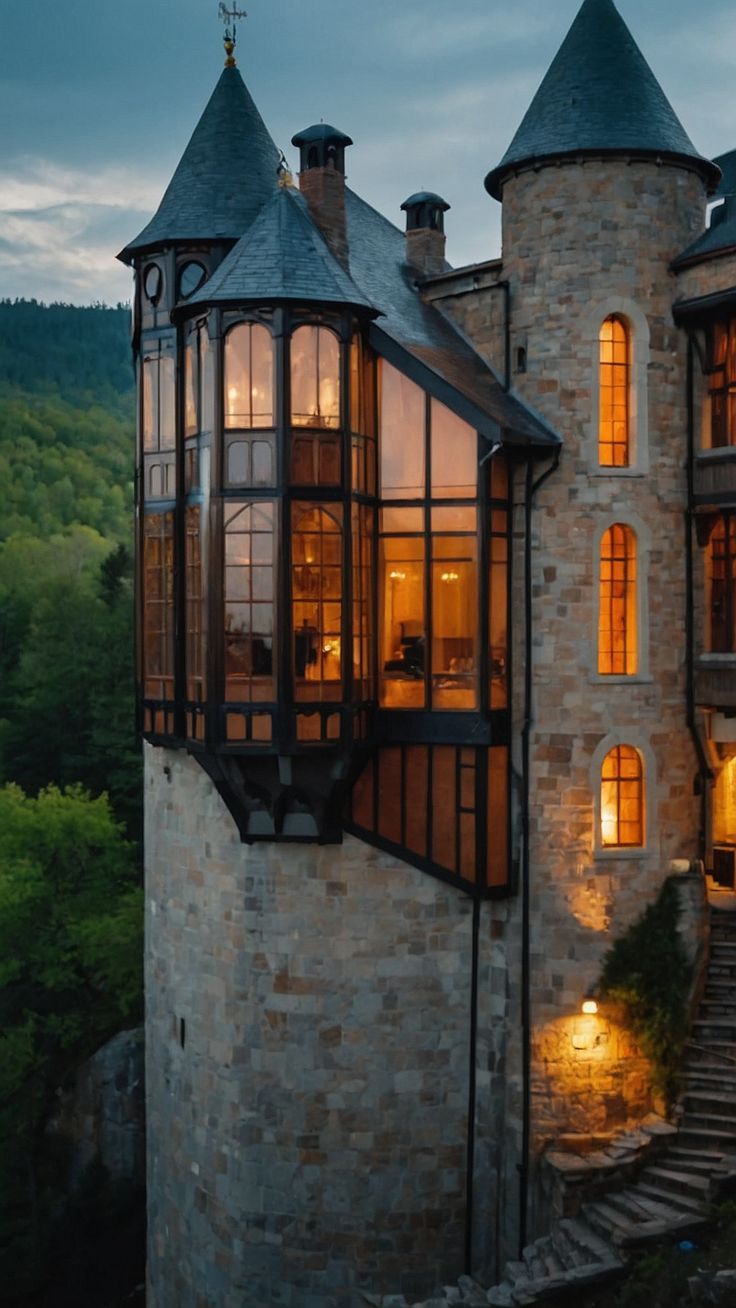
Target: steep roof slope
(282,256)
(225,175)
(720,237)
(599,96)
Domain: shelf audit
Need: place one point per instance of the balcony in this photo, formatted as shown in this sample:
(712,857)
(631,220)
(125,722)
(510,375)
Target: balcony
(715,681)
(714,476)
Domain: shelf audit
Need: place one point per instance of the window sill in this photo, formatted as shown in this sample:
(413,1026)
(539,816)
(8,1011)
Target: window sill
(726,657)
(619,472)
(623,852)
(620,679)
(724,453)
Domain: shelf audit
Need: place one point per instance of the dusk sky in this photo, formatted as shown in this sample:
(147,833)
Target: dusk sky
(98,100)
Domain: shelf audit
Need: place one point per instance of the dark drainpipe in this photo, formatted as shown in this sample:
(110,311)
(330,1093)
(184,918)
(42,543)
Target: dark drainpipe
(526,1019)
(705,771)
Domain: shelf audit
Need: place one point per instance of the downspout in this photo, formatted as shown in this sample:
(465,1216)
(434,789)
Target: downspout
(472,1090)
(705,771)
(526,1023)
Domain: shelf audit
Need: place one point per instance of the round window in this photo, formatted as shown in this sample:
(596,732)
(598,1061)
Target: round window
(153,282)
(191,277)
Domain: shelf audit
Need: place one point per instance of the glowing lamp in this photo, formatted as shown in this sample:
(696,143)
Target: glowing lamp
(589,1007)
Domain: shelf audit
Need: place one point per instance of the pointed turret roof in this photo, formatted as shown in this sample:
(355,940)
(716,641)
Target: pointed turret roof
(282,256)
(226,174)
(599,97)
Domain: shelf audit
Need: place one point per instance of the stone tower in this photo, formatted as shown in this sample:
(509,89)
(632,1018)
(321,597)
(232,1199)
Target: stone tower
(413,615)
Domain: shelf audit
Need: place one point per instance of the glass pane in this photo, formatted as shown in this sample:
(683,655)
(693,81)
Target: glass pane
(454,455)
(402,635)
(238,463)
(498,622)
(444,807)
(402,421)
(402,521)
(249,602)
(315,378)
(150,404)
(191,388)
(207,381)
(167,402)
(454,623)
(613,394)
(158,605)
(195,608)
(316,601)
(498,820)
(248,376)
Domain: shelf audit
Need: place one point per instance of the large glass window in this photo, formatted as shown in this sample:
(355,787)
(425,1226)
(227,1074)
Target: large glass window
(403,636)
(249,396)
(455,614)
(617,634)
(159,397)
(158,606)
(613,382)
(454,455)
(622,798)
(363,417)
(721,583)
(195,642)
(403,436)
(315,377)
(249,601)
(317,572)
(722,384)
(362,525)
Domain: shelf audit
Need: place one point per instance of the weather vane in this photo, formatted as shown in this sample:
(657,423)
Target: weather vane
(230,18)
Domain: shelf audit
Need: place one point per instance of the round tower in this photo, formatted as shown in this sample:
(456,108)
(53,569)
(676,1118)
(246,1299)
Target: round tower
(601,189)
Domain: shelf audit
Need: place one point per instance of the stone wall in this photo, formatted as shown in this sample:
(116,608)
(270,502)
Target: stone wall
(308,1036)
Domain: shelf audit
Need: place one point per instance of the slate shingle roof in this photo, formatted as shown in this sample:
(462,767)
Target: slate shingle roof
(598,97)
(721,235)
(378,264)
(226,174)
(282,256)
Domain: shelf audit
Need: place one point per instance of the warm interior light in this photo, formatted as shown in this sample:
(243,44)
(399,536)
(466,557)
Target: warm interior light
(397,576)
(232,393)
(590,1006)
(450,576)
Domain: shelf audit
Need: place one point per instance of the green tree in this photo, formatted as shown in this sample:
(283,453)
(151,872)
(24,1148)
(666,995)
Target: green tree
(70,977)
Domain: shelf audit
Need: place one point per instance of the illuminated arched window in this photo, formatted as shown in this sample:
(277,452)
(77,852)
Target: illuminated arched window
(613,378)
(248,376)
(617,635)
(622,798)
(315,378)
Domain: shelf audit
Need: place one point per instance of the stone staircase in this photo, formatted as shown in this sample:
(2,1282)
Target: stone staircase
(667,1198)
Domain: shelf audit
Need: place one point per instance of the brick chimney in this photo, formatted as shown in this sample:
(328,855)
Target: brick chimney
(322,182)
(425,232)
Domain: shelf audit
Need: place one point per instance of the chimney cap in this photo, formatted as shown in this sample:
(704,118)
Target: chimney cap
(426,197)
(321,132)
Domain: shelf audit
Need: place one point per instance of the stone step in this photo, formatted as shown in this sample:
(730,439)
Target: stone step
(711,1074)
(586,1240)
(679,1182)
(714,1029)
(724,1128)
(639,1207)
(567,1252)
(685,1162)
(693,1136)
(622,1231)
(674,1199)
(534,1263)
(710,1100)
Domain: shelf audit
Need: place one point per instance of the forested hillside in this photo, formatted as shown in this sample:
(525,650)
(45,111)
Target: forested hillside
(70,778)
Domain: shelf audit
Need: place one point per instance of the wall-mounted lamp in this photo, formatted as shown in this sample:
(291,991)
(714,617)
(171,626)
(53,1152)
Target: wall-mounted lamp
(589,1005)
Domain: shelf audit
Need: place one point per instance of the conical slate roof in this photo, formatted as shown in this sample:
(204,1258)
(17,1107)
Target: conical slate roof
(226,174)
(282,256)
(599,97)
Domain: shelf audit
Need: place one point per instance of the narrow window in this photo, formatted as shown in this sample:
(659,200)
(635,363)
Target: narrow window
(158,606)
(402,423)
(315,378)
(455,620)
(614,422)
(248,376)
(195,649)
(622,798)
(722,586)
(403,629)
(362,527)
(617,635)
(722,384)
(317,601)
(159,428)
(249,602)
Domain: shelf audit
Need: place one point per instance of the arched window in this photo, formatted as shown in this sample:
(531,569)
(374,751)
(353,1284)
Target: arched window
(248,376)
(622,798)
(315,378)
(617,634)
(614,425)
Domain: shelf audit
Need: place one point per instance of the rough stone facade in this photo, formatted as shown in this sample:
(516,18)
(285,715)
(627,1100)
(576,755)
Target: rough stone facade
(308,1062)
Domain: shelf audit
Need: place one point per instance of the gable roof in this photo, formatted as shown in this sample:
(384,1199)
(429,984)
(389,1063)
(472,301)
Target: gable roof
(282,256)
(599,96)
(720,237)
(225,175)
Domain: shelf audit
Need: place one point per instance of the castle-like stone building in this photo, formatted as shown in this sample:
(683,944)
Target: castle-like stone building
(437,638)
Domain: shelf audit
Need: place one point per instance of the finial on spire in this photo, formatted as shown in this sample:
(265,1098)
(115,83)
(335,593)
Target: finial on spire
(229,18)
(284,173)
